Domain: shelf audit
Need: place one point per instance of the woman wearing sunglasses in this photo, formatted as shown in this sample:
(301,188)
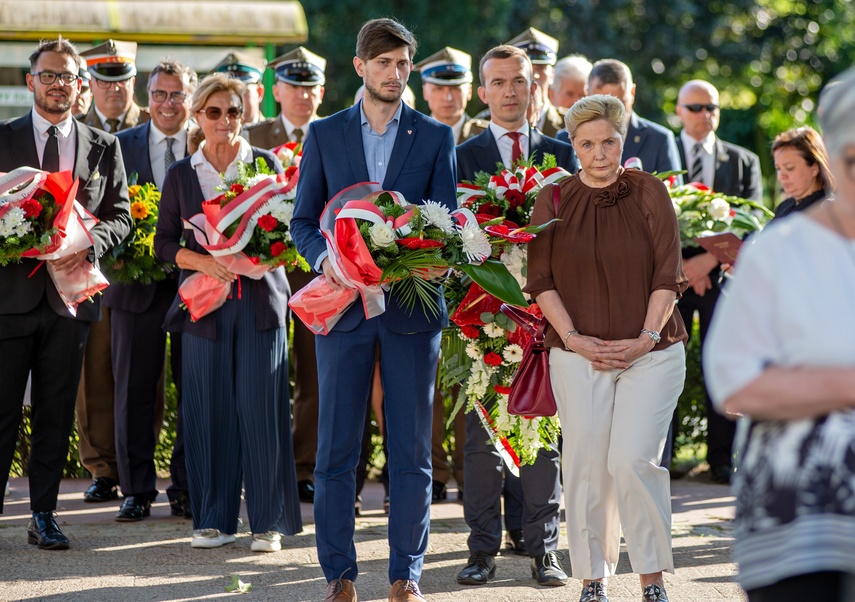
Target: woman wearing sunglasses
(236,411)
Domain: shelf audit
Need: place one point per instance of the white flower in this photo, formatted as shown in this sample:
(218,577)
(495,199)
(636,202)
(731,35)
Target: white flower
(14,223)
(515,260)
(382,235)
(513,353)
(436,214)
(678,209)
(493,330)
(719,209)
(476,245)
(282,211)
(285,155)
(256,179)
(473,352)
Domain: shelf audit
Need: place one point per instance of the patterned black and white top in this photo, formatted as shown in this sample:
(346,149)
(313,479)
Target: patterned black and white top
(790,304)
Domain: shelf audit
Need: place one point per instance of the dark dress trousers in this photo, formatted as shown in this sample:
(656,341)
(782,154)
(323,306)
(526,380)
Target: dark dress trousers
(138,346)
(536,510)
(421,167)
(737,173)
(37,333)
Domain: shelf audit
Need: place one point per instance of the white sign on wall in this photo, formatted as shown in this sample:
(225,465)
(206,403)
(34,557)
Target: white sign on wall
(15,96)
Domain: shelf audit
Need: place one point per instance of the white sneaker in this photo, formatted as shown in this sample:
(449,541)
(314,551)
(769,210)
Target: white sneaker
(210,538)
(266,542)
(8,489)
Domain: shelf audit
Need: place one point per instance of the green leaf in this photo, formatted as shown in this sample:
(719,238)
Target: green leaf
(538,229)
(486,317)
(494,277)
(238,586)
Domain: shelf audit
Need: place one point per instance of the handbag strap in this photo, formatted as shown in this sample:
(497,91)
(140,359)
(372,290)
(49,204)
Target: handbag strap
(532,325)
(556,198)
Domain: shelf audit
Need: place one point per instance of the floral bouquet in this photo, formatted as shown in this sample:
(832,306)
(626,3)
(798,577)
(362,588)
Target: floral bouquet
(247,230)
(40,219)
(290,155)
(701,211)
(133,260)
(377,241)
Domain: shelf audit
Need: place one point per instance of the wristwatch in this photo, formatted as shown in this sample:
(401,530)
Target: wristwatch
(653,335)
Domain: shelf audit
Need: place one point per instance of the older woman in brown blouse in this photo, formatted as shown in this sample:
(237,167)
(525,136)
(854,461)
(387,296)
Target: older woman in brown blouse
(606,277)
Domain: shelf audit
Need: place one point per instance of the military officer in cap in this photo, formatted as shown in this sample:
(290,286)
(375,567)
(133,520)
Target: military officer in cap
(542,50)
(113,69)
(84,99)
(447,88)
(249,69)
(299,90)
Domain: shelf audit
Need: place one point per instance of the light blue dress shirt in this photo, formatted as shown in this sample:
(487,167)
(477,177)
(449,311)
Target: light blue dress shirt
(378,147)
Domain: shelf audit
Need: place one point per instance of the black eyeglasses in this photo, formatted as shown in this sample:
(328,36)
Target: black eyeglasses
(699,108)
(161,96)
(49,77)
(216,113)
(106,85)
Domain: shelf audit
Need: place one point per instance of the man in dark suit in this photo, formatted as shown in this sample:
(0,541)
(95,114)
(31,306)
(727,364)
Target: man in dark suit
(506,87)
(651,143)
(137,311)
(113,69)
(379,139)
(37,332)
(731,170)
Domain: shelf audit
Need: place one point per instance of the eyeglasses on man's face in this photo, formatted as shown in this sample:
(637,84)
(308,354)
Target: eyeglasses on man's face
(161,96)
(696,108)
(49,77)
(216,113)
(106,85)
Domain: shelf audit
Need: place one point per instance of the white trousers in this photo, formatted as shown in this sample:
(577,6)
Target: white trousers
(614,425)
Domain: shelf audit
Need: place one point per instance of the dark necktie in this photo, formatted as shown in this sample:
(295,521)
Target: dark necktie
(50,158)
(169,155)
(697,172)
(113,125)
(298,135)
(516,147)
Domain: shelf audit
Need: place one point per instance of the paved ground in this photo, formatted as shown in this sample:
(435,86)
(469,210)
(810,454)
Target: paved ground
(153,560)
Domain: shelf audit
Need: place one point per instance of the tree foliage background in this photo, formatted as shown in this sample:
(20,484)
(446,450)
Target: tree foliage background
(769,58)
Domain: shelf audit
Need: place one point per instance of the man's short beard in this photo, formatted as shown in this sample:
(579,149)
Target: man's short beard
(377,95)
(56,109)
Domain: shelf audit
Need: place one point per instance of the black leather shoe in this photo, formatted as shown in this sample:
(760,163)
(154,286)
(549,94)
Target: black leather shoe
(134,508)
(547,569)
(102,489)
(439,492)
(480,568)
(44,532)
(306,490)
(181,507)
(386,504)
(515,542)
(357,506)
(721,474)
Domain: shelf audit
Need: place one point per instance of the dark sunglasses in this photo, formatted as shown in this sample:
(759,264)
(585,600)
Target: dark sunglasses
(161,96)
(216,113)
(699,108)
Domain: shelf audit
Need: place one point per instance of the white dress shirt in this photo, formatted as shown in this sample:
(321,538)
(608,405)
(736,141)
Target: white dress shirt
(66,134)
(457,128)
(290,127)
(506,144)
(209,178)
(707,155)
(104,123)
(157,151)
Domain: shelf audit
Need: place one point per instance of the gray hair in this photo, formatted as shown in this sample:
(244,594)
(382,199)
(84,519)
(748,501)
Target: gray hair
(592,108)
(574,68)
(836,106)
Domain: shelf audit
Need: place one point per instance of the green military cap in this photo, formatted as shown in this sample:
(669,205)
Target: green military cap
(540,48)
(246,67)
(112,61)
(448,67)
(300,67)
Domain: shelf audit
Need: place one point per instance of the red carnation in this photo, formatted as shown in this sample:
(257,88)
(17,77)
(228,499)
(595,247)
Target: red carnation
(289,173)
(515,198)
(277,248)
(469,331)
(236,188)
(502,390)
(267,223)
(32,208)
(493,359)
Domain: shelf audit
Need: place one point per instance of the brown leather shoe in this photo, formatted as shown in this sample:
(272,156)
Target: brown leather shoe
(405,591)
(341,590)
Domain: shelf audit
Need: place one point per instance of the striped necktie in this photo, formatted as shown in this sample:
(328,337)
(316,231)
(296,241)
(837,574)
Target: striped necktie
(169,155)
(697,172)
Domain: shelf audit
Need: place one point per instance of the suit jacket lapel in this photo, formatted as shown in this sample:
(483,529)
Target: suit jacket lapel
(25,141)
(403,143)
(538,145)
(144,163)
(721,177)
(353,144)
(491,154)
(89,151)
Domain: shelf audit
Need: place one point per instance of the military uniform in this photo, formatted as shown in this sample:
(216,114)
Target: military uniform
(113,61)
(542,49)
(249,69)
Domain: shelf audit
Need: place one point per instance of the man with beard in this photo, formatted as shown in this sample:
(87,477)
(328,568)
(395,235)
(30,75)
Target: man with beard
(37,333)
(113,70)
(414,155)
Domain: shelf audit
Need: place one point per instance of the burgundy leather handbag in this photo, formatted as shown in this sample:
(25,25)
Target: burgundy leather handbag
(531,389)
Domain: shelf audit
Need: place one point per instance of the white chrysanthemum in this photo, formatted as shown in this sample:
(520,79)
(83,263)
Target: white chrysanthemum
(515,259)
(382,235)
(436,214)
(22,229)
(14,216)
(256,179)
(719,209)
(513,354)
(282,211)
(475,242)
(473,352)
(493,330)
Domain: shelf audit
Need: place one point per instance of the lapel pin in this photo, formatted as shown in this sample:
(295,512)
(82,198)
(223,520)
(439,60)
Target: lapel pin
(95,174)
(409,131)
(637,139)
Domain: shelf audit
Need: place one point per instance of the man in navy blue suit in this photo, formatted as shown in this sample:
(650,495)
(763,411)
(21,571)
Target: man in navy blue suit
(506,87)
(379,139)
(138,310)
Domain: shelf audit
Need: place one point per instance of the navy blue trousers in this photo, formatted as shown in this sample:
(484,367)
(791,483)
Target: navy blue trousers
(237,424)
(408,369)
